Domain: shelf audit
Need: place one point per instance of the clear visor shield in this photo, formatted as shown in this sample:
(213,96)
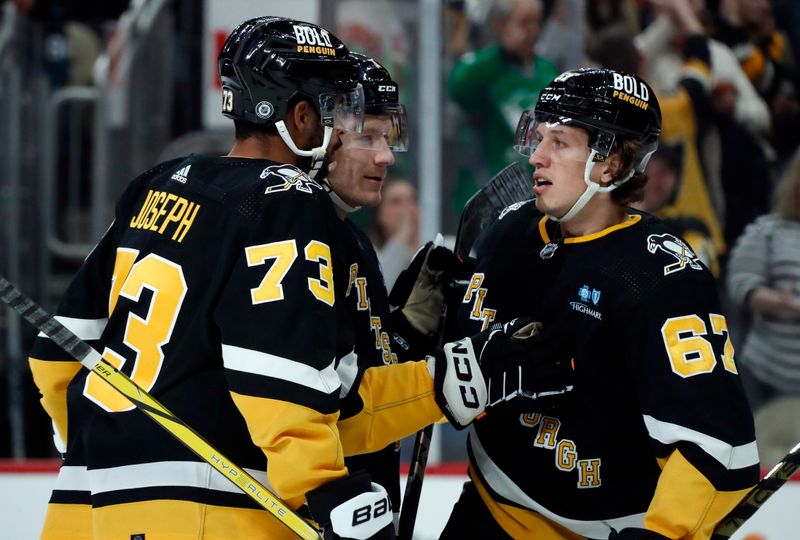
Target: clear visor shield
(383,127)
(533,128)
(343,109)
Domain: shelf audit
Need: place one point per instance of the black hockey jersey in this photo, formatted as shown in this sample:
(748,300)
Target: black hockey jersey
(214,290)
(218,289)
(365,303)
(657,430)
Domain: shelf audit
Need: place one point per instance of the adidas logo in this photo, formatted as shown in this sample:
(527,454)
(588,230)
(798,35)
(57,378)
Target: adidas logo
(181,175)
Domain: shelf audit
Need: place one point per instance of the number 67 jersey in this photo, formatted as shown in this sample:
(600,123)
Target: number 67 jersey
(657,431)
(214,291)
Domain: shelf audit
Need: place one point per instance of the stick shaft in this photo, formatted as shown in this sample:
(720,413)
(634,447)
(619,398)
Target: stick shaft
(91,359)
(754,500)
(416,475)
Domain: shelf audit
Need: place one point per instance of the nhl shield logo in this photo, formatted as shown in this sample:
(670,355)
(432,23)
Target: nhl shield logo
(548,250)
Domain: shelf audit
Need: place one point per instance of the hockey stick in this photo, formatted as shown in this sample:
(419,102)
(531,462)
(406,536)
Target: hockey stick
(509,186)
(91,360)
(743,511)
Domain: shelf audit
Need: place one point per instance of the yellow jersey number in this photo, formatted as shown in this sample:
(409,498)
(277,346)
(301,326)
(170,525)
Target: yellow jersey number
(284,254)
(166,280)
(690,353)
(144,336)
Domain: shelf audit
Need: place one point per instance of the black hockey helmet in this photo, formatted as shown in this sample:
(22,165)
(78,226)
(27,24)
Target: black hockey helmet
(381,97)
(607,103)
(266,62)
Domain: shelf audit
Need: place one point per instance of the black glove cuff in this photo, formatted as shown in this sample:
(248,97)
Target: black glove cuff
(328,496)
(408,342)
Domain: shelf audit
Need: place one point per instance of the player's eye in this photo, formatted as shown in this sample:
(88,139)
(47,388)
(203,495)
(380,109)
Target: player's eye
(364,139)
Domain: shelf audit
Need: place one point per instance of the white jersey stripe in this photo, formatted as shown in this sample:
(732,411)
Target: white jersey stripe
(165,474)
(72,478)
(732,457)
(347,370)
(270,365)
(502,484)
(86,329)
(145,475)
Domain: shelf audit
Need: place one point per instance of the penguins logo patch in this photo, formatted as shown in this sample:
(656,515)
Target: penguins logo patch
(684,256)
(285,177)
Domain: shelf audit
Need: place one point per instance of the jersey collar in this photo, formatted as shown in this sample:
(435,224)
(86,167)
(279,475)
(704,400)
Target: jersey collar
(632,220)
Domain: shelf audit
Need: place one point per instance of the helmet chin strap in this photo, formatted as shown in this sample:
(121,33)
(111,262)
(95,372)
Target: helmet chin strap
(317,154)
(339,202)
(591,189)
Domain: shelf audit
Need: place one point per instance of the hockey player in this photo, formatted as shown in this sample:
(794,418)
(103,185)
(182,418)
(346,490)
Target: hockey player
(214,290)
(656,440)
(359,163)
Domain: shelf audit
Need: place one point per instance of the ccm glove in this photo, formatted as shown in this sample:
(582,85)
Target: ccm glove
(636,534)
(352,507)
(505,364)
(419,289)
(523,362)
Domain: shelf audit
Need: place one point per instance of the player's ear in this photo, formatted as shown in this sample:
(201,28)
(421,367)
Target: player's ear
(305,118)
(610,168)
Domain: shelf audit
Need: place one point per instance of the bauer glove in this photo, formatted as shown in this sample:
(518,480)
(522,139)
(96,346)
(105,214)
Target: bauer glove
(635,534)
(508,365)
(352,507)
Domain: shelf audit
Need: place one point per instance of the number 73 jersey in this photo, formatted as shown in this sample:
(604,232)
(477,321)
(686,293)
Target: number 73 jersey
(657,428)
(213,290)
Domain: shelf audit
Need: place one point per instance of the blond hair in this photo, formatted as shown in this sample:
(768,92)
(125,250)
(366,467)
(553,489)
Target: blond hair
(786,198)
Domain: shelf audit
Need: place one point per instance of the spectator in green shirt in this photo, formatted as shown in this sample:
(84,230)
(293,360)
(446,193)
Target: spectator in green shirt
(495,84)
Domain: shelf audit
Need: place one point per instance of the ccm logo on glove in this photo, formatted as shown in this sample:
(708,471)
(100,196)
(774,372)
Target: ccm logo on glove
(462,356)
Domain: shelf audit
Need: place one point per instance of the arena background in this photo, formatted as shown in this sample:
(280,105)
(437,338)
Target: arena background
(97,91)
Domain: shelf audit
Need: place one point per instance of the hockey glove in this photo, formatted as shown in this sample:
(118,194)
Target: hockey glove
(526,364)
(635,534)
(510,363)
(352,507)
(419,289)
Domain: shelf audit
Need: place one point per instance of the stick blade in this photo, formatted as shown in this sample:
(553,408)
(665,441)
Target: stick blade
(511,185)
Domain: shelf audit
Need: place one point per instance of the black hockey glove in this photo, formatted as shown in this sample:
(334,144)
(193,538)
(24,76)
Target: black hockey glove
(636,534)
(419,290)
(506,365)
(352,508)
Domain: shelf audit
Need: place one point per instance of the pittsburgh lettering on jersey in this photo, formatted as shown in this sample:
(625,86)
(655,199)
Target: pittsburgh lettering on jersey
(382,342)
(162,210)
(565,450)
(475,294)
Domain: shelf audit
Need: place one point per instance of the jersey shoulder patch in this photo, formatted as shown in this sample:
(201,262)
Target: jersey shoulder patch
(285,177)
(679,255)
